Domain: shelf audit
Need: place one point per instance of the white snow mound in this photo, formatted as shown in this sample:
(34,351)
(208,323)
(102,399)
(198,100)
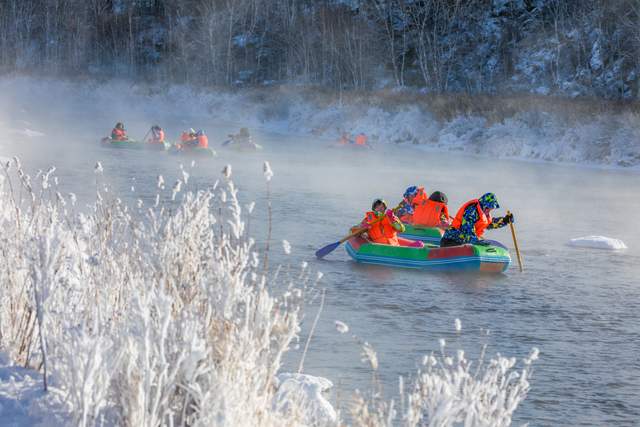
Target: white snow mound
(27,132)
(24,403)
(597,242)
(307,391)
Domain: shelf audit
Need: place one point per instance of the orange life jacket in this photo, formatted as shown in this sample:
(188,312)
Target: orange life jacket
(186,137)
(382,231)
(157,138)
(430,213)
(480,225)
(420,197)
(361,139)
(203,141)
(118,134)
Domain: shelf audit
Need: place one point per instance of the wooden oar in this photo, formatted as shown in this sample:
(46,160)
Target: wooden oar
(515,243)
(322,252)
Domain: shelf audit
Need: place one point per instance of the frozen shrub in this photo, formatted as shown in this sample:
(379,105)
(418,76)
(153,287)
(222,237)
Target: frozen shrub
(155,318)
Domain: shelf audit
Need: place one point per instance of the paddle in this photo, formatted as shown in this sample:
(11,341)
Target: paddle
(322,252)
(145,136)
(515,243)
(228,141)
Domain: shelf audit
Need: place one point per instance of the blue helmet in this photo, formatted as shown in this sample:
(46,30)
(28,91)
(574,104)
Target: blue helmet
(411,191)
(488,201)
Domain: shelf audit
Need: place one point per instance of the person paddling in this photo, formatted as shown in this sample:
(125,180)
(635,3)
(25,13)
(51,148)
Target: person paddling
(383,226)
(472,219)
(361,139)
(157,135)
(196,139)
(119,133)
(187,138)
(202,139)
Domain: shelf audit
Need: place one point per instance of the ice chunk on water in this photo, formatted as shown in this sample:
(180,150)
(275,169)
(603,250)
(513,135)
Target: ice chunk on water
(307,390)
(597,242)
(30,133)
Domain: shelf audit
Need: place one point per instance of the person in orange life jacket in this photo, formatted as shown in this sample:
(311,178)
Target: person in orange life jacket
(119,133)
(197,139)
(202,139)
(188,135)
(472,219)
(188,138)
(432,212)
(361,139)
(383,226)
(412,197)
(157,135)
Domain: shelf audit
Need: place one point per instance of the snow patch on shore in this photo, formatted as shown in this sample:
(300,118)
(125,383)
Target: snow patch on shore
(23,401)
(597,242)
(29,133)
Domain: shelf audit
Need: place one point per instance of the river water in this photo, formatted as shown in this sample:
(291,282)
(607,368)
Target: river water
(578,306)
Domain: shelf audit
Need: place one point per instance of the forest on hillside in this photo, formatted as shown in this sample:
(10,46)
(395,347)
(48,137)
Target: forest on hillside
(561,47)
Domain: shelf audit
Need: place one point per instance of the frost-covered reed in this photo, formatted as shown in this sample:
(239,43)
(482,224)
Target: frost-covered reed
(447,391)
(156,315)
(164,314)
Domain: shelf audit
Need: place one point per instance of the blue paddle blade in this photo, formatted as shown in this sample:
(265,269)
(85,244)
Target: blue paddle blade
(322,252)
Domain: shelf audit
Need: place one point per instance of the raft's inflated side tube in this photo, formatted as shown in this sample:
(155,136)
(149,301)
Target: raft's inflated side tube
(489,259)
(424,234)
(133,144)
(192,152)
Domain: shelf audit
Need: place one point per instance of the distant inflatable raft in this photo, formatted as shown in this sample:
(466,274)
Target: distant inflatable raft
(486,259)
(132,144)
(192,151)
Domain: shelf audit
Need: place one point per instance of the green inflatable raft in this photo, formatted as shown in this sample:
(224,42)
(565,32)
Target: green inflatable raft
(192,151)
(481,258)
(132,144)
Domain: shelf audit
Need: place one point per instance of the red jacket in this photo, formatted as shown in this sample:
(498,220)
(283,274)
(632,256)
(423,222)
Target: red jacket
(203,141)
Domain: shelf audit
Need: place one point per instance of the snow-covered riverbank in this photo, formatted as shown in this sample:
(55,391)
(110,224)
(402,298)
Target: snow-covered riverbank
(604,138)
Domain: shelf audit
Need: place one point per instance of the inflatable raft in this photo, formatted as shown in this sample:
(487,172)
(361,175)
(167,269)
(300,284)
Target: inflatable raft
(132,144)
(192,151)
(350,146)
(488,259)
(241,145)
